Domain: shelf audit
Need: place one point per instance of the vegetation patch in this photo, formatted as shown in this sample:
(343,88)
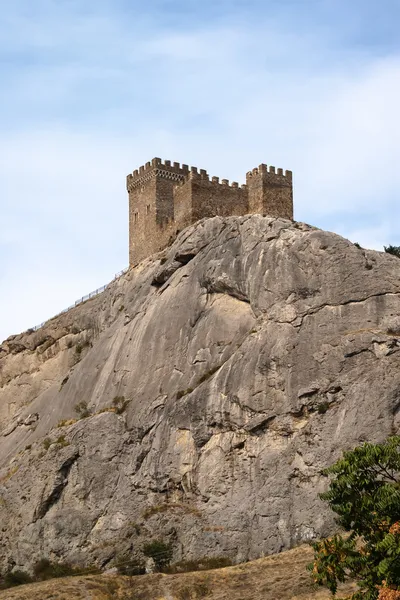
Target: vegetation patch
(209,374)
(322,407)
(46,443)
(61,441)
(394,250)
(82,410)
(130,566)
(119,405)
(9,474)
(160,552)
(66,422)
(79,349)
(14,578)
(364,493)
(43,570)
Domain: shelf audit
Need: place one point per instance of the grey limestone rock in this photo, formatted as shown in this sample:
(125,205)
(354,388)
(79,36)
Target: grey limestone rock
(220,377)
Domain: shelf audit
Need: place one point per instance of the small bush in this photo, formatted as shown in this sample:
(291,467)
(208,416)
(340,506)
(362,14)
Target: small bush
(394,250)
(82,410)
(209,374)
(46,443)
(14,578)
(79,349)
(62,441)
(160,552)
(357,245)
(120,404)
(130,566)
(44,569)
(322,407)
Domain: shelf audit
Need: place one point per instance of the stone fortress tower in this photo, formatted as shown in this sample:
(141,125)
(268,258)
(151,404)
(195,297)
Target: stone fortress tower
(165,198)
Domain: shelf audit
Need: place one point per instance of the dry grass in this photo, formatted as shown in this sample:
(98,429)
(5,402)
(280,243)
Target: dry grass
(9,474)
(282,577)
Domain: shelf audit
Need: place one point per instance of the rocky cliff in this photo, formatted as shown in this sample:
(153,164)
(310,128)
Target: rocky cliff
(219,377)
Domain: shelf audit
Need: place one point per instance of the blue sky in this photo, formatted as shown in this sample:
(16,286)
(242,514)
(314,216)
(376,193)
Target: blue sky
(90,90)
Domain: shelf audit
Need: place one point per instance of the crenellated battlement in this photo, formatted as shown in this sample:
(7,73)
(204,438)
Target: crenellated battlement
(268,170)
(203,177)
(165,196)
(166,169)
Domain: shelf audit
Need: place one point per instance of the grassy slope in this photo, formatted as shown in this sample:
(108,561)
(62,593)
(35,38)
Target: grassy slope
(282,577)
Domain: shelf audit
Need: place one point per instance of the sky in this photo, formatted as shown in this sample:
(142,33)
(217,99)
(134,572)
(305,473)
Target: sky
(90,90)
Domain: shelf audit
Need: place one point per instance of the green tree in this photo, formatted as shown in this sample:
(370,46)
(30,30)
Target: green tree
(160,552)
(365,494)
(395,250)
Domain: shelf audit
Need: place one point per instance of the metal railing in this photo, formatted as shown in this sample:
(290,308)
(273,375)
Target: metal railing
(81,300)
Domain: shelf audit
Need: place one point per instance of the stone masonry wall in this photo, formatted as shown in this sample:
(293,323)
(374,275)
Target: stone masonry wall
(212,198)
(183,209)
(143,229)
(166,197)
(270,192)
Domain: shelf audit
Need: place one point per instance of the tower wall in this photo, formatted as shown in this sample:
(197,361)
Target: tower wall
(142,218)
(270,192)
(152,218)
(183,209)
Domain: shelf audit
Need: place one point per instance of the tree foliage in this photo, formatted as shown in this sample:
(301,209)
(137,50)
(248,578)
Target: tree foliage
(160,552)
(365,494)
(395,250)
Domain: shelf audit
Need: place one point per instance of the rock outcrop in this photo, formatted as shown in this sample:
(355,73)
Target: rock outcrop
(219,377)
